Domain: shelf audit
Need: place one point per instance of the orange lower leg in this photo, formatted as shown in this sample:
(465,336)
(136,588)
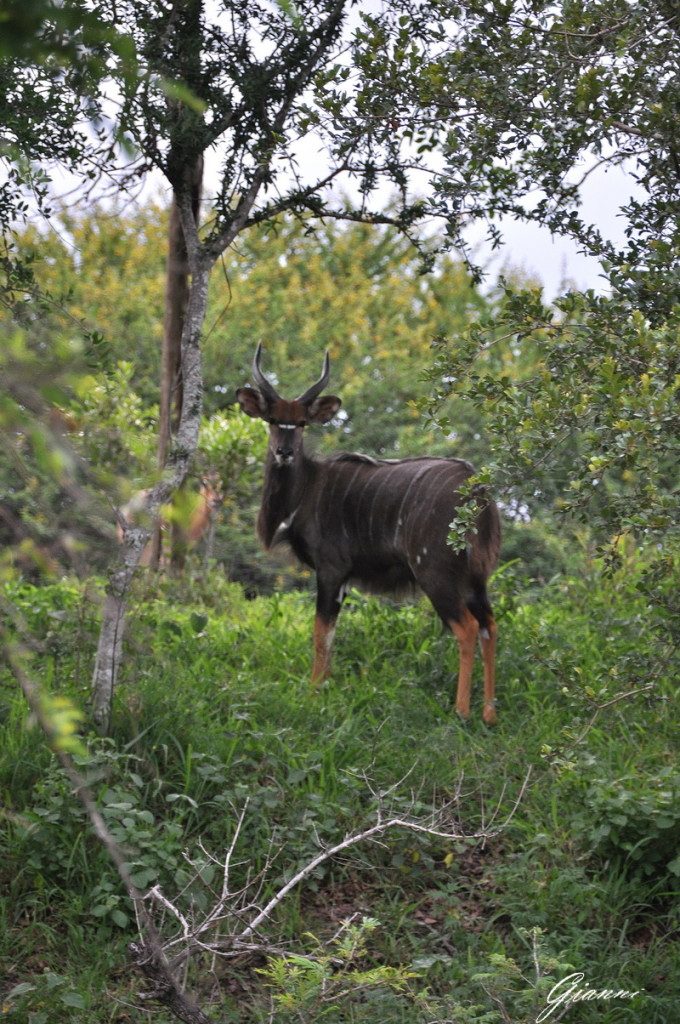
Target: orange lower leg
(466,632)
(323,641)
(489,656)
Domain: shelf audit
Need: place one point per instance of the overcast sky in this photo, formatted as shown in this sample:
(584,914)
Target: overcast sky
(555,260)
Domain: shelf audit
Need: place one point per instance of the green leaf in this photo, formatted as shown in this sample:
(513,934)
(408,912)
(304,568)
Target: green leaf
(73,999)
(53,980)
(176,90)
(674,866)
(64,720)
(20,990)
(289,8)
(198,622)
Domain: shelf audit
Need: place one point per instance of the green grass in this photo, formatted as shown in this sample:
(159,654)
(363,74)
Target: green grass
(214,712)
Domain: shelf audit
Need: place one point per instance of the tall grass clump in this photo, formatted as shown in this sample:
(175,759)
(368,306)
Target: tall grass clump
(217,739)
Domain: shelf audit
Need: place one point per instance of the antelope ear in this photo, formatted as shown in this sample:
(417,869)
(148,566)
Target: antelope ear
(252,403)
(323,409)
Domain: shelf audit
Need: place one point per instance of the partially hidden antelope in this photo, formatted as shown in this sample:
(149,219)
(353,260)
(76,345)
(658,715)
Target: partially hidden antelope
(378,524)
(203,510)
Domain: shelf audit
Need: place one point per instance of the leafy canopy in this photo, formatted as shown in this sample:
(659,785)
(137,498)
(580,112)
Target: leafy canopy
(527,98)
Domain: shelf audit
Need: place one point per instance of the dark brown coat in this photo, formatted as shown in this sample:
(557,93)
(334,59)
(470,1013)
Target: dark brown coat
(378,524)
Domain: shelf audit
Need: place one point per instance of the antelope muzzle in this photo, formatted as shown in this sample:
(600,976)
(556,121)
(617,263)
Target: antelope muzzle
(284,445)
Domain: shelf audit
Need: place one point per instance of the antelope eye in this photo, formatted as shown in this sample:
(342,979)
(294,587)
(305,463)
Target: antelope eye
(302,423)
(274,423)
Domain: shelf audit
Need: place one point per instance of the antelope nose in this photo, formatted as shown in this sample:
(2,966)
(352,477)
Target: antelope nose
(283,442)
(284,454)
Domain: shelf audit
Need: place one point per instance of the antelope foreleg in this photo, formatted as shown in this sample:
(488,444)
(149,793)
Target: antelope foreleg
(466,632)
(329,598)
(324,630)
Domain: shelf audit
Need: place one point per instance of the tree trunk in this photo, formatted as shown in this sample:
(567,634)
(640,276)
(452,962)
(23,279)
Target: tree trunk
(110,643)
(172,385)
(179,457)
(108,658)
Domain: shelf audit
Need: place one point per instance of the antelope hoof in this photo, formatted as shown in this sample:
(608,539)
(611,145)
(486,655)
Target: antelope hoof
(489,714)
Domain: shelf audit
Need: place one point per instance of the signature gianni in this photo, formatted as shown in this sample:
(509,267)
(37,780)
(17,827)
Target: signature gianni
(569,991)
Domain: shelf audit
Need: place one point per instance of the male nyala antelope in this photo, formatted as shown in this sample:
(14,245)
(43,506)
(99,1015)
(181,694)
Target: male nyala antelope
(379,524)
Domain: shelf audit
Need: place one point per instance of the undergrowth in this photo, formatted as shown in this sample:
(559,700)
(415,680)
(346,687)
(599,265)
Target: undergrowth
(214,720)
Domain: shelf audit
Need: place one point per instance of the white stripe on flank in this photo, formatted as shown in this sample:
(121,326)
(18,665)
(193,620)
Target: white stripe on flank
(414,480)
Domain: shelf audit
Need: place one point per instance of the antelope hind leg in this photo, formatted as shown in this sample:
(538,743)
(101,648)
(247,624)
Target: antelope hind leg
(488,640)
(466,632)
